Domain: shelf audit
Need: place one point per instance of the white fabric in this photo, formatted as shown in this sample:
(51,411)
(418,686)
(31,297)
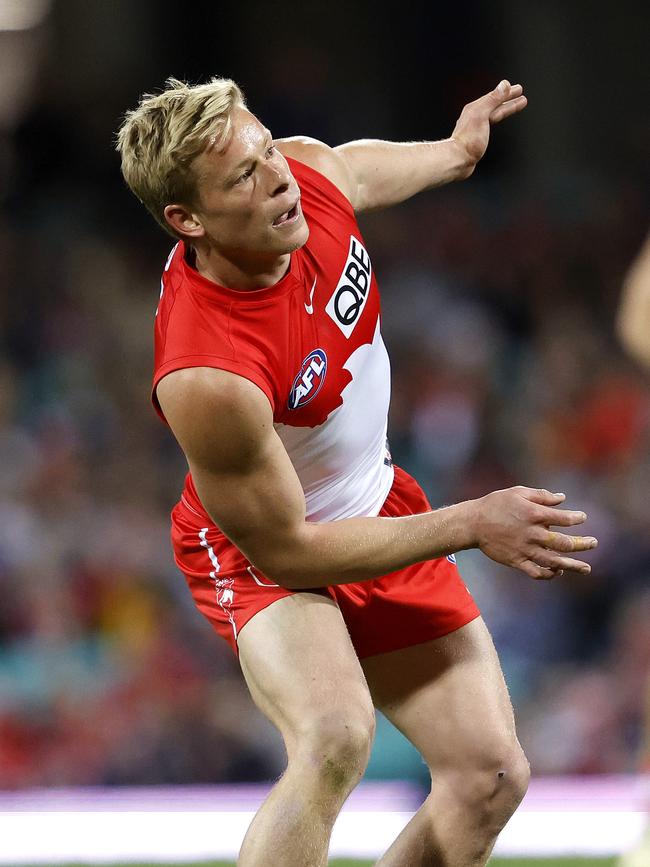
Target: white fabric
(340,463)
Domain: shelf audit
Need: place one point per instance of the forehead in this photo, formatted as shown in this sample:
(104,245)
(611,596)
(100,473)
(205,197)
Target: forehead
(246,131)
(245,138)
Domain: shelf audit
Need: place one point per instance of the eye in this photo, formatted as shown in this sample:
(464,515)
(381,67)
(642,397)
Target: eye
(270,150)
(246,175)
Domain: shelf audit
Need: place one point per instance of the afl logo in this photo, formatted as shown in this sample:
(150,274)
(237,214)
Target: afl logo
(309,380)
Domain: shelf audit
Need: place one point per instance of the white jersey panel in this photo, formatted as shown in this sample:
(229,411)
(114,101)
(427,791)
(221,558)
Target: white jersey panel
(342,463)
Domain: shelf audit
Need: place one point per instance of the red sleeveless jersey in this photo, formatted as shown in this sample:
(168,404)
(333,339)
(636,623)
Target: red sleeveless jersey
(311,343)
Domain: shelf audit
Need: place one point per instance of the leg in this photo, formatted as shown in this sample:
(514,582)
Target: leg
(303,673)
(449,698)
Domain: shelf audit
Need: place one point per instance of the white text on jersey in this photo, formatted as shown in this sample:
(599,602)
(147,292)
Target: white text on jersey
(346,304)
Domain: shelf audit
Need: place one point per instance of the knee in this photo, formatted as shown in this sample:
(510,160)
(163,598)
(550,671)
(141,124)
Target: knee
(512,779)
(336,747)
(492,786)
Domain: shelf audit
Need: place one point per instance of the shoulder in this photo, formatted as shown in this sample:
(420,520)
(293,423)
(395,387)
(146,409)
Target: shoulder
(324,159)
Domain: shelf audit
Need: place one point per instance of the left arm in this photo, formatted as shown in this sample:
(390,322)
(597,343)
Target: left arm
(633,320)
(376,174)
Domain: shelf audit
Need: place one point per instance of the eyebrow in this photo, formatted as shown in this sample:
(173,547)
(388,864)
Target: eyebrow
(252,159)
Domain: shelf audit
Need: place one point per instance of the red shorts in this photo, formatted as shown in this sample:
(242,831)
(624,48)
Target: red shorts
(406,607)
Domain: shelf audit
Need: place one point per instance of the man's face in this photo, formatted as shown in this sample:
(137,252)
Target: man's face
(248,200)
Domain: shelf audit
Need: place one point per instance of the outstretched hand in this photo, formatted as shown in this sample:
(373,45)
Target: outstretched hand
(513,527)
(472,130)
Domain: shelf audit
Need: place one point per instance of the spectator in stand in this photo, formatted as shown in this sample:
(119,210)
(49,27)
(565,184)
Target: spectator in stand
(634,331)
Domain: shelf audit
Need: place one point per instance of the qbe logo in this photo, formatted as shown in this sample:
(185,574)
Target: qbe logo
(351,293)
(309,380)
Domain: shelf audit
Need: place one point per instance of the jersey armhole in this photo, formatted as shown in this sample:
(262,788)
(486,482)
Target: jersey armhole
(228,364)
(323,184)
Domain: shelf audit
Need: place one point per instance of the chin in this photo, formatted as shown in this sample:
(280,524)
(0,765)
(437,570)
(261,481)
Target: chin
(296,239)
(302,237)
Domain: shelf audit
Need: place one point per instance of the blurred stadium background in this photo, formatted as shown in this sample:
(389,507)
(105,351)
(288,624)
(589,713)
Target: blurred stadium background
(499,300)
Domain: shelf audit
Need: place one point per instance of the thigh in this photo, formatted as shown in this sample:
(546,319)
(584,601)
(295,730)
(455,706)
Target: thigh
(448,697)
(409,606)
(301,668)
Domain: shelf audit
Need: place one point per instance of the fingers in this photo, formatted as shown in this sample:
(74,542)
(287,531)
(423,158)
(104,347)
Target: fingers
(544,565)
(504,91)
(542,496)
(507,109)
(556,562)
(504,94)
(549,557)
(560,517)
(526,539)
(540,573)
(551,517)
(509,91)
(566,544)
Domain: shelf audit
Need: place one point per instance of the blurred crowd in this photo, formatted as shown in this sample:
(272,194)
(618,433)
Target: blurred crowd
(507,371)
(498,314)
(498,310)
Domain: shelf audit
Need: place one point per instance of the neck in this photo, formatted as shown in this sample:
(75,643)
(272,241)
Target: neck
(236,274)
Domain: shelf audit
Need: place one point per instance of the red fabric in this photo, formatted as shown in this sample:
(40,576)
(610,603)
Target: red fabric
(265,335)
(407,607)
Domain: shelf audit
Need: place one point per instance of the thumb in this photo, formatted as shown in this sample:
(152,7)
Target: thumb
(500,92)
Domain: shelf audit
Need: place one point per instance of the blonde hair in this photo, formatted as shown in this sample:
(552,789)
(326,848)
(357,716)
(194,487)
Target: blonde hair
(159,139)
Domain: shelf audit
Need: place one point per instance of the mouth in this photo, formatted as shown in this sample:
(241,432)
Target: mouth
(288,217)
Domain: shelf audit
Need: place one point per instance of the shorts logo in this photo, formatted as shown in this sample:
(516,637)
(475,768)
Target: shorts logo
(451,558)
(351,293)
(225,592)
(309,380)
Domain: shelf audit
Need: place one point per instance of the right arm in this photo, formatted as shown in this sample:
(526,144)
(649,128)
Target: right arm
(376,174)
(249,487)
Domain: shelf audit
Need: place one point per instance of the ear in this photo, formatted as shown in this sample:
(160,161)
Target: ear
(183,221)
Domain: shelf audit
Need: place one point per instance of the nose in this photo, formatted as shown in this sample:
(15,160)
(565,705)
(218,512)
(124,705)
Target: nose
(280,178)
